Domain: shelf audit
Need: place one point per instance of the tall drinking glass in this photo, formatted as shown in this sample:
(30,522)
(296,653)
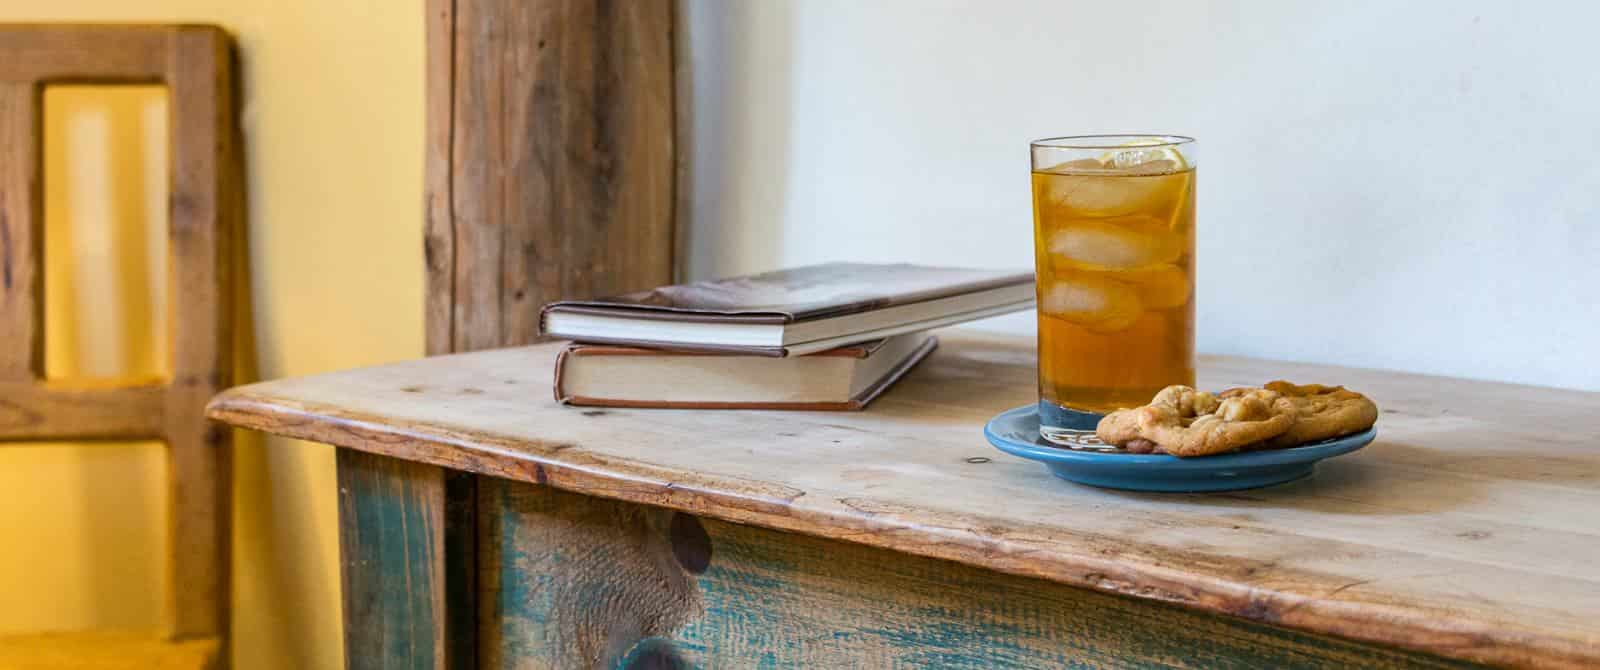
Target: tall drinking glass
(1113,238)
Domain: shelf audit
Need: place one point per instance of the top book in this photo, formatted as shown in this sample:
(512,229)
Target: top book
(795,311)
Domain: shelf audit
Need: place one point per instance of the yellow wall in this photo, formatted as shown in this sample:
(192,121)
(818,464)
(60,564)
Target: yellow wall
(332,112)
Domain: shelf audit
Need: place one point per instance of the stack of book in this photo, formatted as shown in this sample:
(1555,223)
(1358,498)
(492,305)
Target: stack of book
(821,337)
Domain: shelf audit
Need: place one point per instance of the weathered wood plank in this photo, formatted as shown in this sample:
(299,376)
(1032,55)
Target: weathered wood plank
(21,238)
(561,177)
(84,52)
(438,236)
(79,411)
(202,220)
(391,562)
(683,143)
(581,582)
(549,174)
(200,485)
(576,588)
(1461,531)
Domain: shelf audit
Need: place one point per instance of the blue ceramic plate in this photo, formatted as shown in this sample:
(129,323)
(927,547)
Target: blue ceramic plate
(1016,432)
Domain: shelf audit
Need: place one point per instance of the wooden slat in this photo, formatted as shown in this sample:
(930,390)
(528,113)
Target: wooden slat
(200,218)
(64,411)
(1462,531)
(200,474)
(438,237)
(582,582)
(199,75)
(683,144)
(561,180)
(549,174)
(392,557)
(21,241)
(84,53)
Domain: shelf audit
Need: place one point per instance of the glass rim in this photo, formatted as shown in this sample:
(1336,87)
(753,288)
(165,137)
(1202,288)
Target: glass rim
(1110,141)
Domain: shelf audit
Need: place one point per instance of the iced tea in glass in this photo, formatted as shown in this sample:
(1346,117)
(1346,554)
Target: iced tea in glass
(1113,221)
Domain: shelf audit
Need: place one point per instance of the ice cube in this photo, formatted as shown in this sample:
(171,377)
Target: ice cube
(1108,192)
(1160,287)
(1081,166)
(1093,301)
(1121,243)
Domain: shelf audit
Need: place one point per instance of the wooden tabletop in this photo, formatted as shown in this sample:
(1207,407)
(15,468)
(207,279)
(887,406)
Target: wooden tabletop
(1470,529)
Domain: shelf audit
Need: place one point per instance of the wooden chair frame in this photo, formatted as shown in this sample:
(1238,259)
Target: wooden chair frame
(194,62)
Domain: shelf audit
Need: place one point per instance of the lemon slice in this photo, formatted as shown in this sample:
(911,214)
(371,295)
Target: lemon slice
(1166,150)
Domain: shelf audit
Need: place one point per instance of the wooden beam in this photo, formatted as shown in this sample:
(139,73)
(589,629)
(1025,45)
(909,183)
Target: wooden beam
(199,502)
(202,220)
(549,174)
(557,116)
(21,241)
(85,52)
(438,236)
(59,411)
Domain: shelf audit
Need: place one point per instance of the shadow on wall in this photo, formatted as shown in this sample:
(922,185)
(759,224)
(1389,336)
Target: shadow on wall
(264,522)
(739,109)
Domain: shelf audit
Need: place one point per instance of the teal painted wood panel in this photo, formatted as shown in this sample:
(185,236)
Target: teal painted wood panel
(391,523)
(570,581)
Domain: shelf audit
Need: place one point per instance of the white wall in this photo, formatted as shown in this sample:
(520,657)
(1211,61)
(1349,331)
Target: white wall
(1401,185)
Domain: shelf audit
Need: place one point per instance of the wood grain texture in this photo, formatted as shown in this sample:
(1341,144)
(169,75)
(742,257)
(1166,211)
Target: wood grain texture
(391,562)
(204,209)
(87,53)
(1463,531)
(575,587)
(21,238)
(202,219)
(438,235)
(584,582)
(683,139)
(560,180)
(82,411)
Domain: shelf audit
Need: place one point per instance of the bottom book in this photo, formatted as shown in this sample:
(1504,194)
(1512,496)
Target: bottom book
(846,378)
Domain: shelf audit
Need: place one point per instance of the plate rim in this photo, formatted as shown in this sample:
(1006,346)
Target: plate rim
(1264,458)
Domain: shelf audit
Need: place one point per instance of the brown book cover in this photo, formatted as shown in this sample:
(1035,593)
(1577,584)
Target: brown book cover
(797,297)
(859,401)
